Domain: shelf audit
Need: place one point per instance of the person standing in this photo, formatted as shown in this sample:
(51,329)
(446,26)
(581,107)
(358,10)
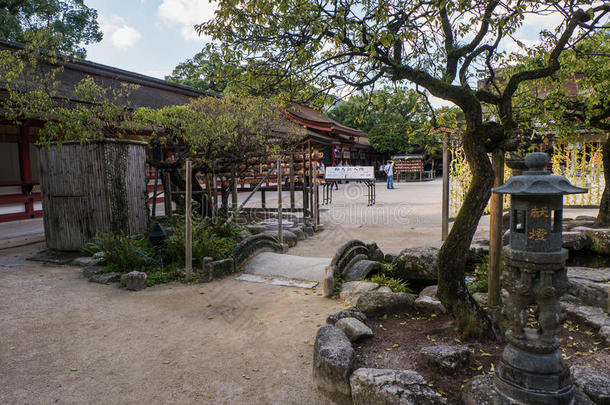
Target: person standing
(389,171)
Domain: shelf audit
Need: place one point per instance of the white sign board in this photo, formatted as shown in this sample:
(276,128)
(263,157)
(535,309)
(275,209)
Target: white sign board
(350,173)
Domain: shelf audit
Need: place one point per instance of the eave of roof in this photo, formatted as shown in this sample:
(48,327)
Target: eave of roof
(119,74)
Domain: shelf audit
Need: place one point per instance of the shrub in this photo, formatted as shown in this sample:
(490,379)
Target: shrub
(123,253)
(211,238)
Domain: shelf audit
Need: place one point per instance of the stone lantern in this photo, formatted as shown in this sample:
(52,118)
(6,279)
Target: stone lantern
(531,369)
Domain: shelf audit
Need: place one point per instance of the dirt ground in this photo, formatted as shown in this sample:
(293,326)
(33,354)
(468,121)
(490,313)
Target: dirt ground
(398,339)
(65,340)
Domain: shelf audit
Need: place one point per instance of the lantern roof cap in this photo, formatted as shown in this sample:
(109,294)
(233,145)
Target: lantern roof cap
(536,180)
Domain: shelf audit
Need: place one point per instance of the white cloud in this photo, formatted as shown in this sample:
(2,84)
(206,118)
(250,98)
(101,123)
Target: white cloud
(186,14)
(120,34)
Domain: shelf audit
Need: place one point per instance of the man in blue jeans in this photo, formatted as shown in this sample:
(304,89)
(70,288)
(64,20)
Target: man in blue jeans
(389,171)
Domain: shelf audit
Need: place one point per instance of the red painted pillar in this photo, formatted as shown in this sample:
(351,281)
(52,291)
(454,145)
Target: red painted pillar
(25,168)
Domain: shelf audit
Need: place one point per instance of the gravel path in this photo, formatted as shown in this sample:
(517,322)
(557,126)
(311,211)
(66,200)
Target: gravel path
(65,340)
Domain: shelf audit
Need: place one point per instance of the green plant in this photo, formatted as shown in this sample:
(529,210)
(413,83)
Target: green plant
(211,238)
(123,253)
(169,273)
(480,281)
(395,284)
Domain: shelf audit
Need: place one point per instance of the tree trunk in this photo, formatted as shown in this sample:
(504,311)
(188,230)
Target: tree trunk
(603,216)
(471,320)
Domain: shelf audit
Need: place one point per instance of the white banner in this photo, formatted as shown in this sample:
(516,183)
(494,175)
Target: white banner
(350,173)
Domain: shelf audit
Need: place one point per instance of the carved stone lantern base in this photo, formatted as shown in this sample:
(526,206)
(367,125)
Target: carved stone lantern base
(533,378)
(481,390)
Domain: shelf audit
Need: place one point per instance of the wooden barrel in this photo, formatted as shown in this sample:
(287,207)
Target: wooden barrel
(94,187)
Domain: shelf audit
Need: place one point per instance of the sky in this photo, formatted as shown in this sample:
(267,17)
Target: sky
(151,37)
(148,36)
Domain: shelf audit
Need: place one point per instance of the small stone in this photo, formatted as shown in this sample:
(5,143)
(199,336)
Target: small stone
(384,288)
(345,313)
(91,271)
(594,383)
(430,291)
(243,234)
(353,328)
(87,261)
(105,278)
(390,257)
(429,304)
(448,358)
(134,280)
(308,230)
(481,298)
(386,386)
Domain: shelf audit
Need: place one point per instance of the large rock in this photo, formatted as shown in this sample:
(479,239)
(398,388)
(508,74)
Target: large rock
(590,286)
(592,316)
(328,282)
(134,280)
(386,386)
(288,237)
(351,257)
(353,328)
(361,269)
(429,304)
(377,302)
(594,383)
(417,264)
(447,358)
(333,362)
(343,250)
(574,241)
(351,290)
(350,312)
(600,240)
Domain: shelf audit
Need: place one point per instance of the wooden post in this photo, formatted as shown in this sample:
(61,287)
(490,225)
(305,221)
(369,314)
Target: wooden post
(305,195)
(292,203)
(167,192)
(311,207)
(495,230)
(188,233)
(214,189)
(234,190)
(280,233)
(154,207)
(445,197)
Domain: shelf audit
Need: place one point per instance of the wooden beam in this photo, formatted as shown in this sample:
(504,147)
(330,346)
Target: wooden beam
(445,192)
(495,230)
(188,250)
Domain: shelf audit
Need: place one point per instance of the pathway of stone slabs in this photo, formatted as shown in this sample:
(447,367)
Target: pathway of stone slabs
(283,269)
